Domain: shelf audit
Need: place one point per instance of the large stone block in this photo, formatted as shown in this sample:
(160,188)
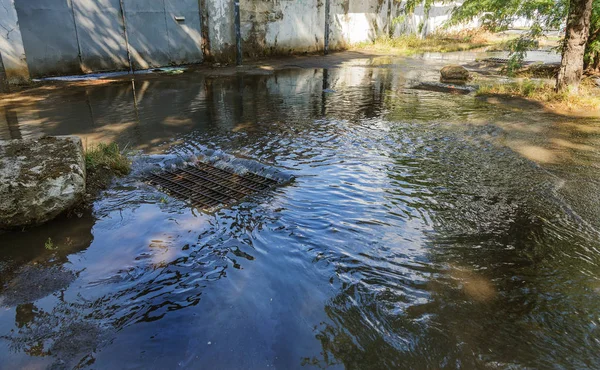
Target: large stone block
(455,74)
(39,179)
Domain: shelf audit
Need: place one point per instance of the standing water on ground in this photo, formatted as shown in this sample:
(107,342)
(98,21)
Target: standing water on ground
(422,230)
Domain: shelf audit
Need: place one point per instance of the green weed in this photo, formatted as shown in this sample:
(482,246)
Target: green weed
(107,156)
(49,245)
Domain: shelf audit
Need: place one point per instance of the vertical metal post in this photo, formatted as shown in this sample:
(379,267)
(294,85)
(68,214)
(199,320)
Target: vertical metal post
(3,78)
(238,32)
(123,19)
(70,3)
(204,30)
(326,41)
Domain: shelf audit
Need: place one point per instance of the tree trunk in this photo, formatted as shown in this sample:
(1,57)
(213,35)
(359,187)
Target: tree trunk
(577,33)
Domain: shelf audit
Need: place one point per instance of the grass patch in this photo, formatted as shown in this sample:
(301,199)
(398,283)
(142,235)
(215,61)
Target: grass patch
(437,42)
(49,245)
(587,98)
(504,43)
(107,156)
(102,163)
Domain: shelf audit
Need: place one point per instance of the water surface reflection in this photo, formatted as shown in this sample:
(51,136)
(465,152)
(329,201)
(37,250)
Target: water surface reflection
(422,231)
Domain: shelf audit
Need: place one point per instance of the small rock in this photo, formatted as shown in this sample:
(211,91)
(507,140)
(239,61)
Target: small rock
(455,74)
(39,179)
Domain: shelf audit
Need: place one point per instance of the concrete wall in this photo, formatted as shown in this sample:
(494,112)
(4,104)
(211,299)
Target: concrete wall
(354,21)
(62,37)
(296,26)
(49,37)
(185,40)
(219,29)
(101,35)
(156,38)
(282,26)
(12,53)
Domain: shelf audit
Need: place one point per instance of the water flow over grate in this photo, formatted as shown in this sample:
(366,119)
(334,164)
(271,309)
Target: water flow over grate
(207,186)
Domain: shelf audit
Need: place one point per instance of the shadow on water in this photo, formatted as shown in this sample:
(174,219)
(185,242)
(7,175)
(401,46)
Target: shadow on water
(423,231)
(503,286)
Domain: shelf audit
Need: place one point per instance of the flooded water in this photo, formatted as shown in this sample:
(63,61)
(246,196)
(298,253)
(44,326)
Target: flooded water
(423,230)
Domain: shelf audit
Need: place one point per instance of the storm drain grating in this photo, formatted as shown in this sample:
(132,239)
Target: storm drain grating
(207,186)
(503,61)
(496,60)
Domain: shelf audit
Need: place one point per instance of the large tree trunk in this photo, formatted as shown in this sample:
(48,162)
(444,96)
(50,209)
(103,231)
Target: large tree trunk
(577,33)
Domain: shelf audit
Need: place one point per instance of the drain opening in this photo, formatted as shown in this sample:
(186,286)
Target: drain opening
(503,61)
(206,186)
(496,60)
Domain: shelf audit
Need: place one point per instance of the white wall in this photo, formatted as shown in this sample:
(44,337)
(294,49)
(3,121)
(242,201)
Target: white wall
(74,36)
(282,26)
(11,44)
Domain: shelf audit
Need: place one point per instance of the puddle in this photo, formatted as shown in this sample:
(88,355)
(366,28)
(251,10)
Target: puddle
(107,75)
(423,229)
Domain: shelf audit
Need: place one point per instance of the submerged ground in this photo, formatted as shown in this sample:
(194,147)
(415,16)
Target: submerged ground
(424,230)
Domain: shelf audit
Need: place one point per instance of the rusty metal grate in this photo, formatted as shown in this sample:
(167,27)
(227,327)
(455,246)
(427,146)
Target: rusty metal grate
(503,61)
(207,186)
(496,60)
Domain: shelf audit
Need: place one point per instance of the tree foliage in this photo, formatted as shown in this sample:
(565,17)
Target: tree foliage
(592,50)
(499,15)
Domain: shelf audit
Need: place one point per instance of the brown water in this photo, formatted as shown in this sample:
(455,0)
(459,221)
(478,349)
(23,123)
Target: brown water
(423,230)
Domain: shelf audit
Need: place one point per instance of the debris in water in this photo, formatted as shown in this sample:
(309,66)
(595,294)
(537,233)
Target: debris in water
(169,70)
(446,88)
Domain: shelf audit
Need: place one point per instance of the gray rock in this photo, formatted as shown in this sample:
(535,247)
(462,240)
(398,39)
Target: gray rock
(39,179)
(455,74)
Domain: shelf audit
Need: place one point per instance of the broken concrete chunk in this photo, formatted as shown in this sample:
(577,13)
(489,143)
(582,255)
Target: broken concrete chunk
(39,179)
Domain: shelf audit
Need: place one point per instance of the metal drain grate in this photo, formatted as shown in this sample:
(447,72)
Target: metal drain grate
(503,61)
(207,186)
(496,60)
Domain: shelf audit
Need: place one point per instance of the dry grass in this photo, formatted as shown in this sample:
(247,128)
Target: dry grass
(437,42)
(587,98)
(548,71)
(503,42)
